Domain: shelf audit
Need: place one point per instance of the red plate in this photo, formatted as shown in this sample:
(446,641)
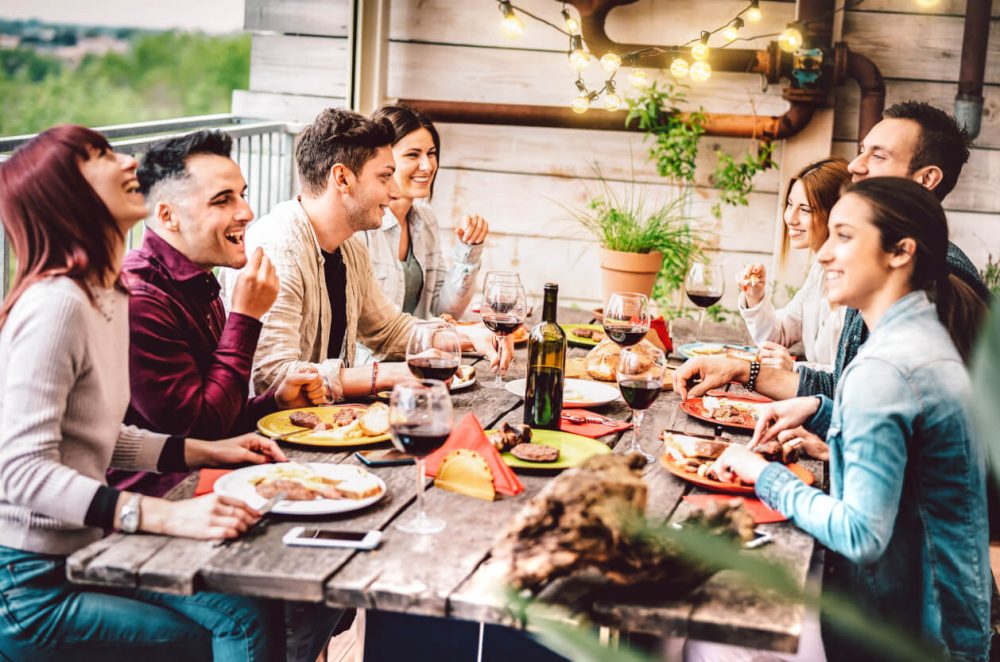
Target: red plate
(730,488)
(694,407)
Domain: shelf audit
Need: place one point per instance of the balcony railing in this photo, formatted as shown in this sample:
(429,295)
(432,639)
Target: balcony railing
(262,149)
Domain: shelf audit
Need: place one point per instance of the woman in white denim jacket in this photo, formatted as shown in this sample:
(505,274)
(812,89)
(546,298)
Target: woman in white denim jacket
(406,251)
(808,317)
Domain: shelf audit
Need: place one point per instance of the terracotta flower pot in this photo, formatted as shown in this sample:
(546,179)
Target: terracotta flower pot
(628,272)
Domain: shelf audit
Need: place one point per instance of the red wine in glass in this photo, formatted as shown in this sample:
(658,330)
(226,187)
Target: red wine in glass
(640,393)
(625,335)
(420,440)
(704,300)
(424,367)
(502,325)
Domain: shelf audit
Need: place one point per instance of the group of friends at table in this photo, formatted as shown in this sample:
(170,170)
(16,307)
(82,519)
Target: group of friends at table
(123,373)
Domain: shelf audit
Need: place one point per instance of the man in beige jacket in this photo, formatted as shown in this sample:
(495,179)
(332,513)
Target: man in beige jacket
(328,298)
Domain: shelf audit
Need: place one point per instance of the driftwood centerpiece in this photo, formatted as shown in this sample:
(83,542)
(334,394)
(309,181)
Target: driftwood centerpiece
(587,524)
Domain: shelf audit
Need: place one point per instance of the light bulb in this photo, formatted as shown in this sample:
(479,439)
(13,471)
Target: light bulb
(701,71)
(638,79)
(612,101)
(512,26)
(610,62)
(753,15)
(679,67)
(579,59)
(729,32)
(581,104)
(928,4)
(790,40)
(572,25)
(700,51)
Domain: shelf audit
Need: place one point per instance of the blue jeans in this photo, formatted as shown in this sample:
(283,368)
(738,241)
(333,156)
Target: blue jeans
(45,617)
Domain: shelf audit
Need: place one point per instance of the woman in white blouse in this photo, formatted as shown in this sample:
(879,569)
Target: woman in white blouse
(406,251)
(808,317)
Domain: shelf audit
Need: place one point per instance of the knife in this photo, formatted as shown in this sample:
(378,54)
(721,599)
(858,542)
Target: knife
(288,436)
(593,418)
(264,510)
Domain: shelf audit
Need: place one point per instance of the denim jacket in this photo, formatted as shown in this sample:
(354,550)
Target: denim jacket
(907,502)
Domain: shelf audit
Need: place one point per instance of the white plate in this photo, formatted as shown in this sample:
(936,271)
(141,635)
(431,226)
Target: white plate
(237,485)
(458,385)
(576,392)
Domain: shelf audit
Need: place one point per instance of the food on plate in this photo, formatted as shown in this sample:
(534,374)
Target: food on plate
(509,436)
(375,420)
(597,335)
(693,454)
(464,374)
(775,451)
(302,483)
(733,412)
(535,453)
(722,350)
(345,416)
(572,395)
(602,361)
(305,419)
(754,275)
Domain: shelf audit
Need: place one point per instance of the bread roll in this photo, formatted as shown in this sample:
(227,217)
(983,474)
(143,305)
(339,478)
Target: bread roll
(603,359)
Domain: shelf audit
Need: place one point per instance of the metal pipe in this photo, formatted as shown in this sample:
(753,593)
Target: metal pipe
(848,64)
(969,99)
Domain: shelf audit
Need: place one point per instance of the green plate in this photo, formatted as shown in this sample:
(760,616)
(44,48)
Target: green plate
(573,449)
(580,341)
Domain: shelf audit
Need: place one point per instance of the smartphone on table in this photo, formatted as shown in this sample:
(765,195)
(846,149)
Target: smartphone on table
(309,536)
(383,458)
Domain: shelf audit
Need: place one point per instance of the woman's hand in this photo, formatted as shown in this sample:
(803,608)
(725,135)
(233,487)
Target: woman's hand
(300,388)
(738,461)
(776,356)
(752,282)
(480,339)
(210,517)
(782,415)
(244,449)
(473,230)
(806,442)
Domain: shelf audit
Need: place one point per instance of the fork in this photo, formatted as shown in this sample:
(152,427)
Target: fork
(264,511)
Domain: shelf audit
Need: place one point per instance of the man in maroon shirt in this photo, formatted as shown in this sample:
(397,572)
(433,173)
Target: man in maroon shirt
(189,365)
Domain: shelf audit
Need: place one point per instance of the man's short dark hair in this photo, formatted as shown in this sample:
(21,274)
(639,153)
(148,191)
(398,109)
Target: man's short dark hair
(166,159)
(943,143)
(338,135)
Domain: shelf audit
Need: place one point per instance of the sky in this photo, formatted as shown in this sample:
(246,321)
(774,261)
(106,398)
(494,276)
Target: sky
(204,15)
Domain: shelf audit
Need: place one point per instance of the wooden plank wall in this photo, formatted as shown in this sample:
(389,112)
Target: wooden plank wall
(523,179)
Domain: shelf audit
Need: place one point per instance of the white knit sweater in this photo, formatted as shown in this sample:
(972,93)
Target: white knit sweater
(64,389)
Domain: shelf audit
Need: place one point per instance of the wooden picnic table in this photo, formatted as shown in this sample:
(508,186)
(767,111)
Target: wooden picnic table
(450,574)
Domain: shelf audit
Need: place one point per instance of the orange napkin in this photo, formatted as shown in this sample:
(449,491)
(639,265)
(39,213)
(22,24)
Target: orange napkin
(469,434)
(207,478)
(761,514)
(592,430)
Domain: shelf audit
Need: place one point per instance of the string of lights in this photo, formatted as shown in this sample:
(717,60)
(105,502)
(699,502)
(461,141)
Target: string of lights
(698,70)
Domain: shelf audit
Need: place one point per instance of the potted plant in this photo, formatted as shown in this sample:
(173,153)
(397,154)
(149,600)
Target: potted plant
(640,241)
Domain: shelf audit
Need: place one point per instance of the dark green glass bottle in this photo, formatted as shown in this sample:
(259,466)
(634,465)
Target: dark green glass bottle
(543,394)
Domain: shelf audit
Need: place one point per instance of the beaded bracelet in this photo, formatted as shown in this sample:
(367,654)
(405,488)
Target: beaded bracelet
(374,377)
(754,372)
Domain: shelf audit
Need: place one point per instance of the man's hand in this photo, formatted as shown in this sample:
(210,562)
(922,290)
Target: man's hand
(244,449)
(776,356)
(301,388)
(700,375)
(783,415)
(473,230)
(256,287)
(738,461)
(486,343)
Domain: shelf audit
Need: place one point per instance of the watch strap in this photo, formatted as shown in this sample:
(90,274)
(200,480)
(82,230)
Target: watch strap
(754,373)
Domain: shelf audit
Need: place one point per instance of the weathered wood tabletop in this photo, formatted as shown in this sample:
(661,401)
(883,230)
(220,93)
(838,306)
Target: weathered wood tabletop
(450,574)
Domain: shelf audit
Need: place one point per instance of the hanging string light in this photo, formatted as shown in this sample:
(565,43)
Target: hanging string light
(511,24)
(638,79)
(753,14)
(700,50)
(732,31)
(679,67)
(701,71)
(612,101)
(572,25)
(578,57)
(610,62)
(790,39)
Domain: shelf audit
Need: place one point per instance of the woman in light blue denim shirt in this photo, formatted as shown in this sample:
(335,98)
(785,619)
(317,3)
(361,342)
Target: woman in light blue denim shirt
(906,513)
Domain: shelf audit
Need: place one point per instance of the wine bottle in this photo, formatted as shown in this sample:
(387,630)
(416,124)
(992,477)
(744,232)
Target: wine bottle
(543,394)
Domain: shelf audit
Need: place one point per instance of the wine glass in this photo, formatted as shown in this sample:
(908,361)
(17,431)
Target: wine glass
(704,285)
(434,350)
(626,318)
(640,378)
(420,416)
(504,308)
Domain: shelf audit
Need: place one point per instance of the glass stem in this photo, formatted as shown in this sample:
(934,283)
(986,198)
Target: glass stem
(637,415)
(420,488)
(701,323)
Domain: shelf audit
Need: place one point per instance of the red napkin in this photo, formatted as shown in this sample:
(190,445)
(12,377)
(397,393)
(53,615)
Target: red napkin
(592,430)
(207,478)
(761,514)
(469,434)
(659,325)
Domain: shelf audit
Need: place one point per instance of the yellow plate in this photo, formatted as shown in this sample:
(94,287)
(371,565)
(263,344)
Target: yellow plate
(277,424)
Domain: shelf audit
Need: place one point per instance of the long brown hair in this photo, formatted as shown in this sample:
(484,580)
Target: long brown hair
(406,120)
(901,209)
(56,223)
(822,182)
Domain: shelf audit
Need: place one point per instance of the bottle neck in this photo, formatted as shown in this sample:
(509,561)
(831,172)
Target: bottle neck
(549,309)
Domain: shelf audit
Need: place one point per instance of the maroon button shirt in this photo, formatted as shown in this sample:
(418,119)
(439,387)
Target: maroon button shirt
(189,366)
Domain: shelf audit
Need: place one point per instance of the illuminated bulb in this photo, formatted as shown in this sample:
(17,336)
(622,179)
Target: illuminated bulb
(581,104)
(753,14)
(732,31)
(612,101)
(701,71)
(700,51)
(638,79)
(790,40)
(679,67)
(572,25)
(511,25)
(927,4)
(610,62)
(579,59)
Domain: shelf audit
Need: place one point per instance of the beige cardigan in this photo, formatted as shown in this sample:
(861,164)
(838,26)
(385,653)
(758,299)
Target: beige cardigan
(296,330)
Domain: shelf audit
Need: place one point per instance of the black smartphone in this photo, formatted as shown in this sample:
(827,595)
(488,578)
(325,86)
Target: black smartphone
(383,458)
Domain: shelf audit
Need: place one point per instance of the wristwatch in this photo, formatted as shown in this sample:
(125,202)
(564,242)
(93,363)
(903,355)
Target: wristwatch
(130,516)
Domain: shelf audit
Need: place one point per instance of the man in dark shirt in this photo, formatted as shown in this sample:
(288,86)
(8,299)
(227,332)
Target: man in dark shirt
(913,140)
(189,364)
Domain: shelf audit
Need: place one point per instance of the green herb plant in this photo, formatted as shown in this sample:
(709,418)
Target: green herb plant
(675,135)
(734,178)
(991,275)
